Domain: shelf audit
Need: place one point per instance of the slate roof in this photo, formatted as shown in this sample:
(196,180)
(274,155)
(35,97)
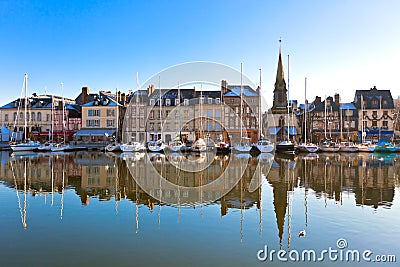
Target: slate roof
(235,91)
(105,100)
(374,94)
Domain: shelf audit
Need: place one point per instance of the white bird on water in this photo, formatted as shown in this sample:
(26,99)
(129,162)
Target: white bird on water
(302,233)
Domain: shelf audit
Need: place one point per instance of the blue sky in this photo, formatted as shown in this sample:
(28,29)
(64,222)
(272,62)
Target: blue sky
(340,46)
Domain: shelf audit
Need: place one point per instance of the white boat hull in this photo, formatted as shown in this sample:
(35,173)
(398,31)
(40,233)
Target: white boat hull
(242,148)
(329,149)
(25,147)
(113,148)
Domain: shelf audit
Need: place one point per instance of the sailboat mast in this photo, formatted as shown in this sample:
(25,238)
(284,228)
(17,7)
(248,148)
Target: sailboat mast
(325,116)
(63,109)
(305,109)
(26,106)
(117,128)
(241,102)
(362,120)
(259,110)
(160,104)
(288,120)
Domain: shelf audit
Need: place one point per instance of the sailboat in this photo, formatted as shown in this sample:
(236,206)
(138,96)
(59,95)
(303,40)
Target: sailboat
(27,145)
(263,145)
(45,147)
(306,146)
(328,145)
(59,147)
(115,146)
(176,145)
(242,147)
(345,146)
(158,145)
(133,146)
(286,146)
(200,144)
(364,146)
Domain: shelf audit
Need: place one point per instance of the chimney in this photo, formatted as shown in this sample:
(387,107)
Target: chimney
(85,95)
(122,98)
(224,87)
(337,99)
(150,90)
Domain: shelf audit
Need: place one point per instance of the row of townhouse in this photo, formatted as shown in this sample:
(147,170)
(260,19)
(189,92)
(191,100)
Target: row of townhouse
(189,114)
(370,116)
(143,115)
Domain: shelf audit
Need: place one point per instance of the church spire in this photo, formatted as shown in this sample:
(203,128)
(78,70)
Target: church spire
(280,91)
(280,76)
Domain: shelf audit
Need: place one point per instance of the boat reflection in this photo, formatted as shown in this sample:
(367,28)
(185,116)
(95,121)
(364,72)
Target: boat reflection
(226,180)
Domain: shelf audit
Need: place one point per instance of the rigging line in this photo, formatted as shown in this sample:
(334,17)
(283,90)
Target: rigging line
(16,192)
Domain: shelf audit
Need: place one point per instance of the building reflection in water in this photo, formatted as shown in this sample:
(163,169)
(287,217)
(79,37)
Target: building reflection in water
(229,181)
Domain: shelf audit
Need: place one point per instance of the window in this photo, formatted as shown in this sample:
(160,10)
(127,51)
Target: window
(168,102)
(39,116)
(92,112)
(217,113)
(177,102)
(364,113)
(110,123)
(185,114)
(33,117)
(21,116)
(15,116)
(152,101)
(47,117)
(209,113)
(186,102)
(374,113)
(385,124)
(374,102)
(5,117)
(209,100)
(110,112)
(151,115)
(217,100)
(202,100)
(385,113)
(374,124)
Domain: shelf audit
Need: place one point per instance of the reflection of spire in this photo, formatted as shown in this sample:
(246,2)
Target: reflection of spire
(280,198)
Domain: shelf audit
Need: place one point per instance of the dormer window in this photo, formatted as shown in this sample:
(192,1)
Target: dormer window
(217,100)
(186,102)
(177,101)
(152,102)
(209,100)
(168,102)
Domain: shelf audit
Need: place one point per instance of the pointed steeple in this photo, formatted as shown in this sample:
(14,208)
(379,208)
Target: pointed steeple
(280,76)
(280,91)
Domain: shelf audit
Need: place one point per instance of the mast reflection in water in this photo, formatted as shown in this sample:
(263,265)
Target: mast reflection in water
(92,208)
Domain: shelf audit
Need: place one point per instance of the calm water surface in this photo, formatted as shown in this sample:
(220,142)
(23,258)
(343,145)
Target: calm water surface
(97,209)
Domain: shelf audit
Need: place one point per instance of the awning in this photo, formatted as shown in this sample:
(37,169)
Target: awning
(274,130)
(95,132)
(376,132)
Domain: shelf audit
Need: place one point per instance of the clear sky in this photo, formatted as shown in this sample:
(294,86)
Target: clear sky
(340,46)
